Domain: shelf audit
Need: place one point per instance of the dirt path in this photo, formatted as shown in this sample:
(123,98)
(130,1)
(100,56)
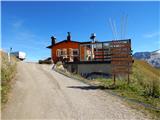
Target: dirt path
(41,93)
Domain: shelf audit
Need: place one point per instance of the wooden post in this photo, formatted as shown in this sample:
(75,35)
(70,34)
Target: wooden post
(128,79)
(102,52)
(114,78)
(79,52)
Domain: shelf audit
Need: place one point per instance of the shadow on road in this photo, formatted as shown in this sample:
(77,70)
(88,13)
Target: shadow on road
(88,87)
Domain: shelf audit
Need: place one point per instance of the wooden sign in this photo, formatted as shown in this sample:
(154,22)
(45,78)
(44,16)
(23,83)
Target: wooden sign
(121,58)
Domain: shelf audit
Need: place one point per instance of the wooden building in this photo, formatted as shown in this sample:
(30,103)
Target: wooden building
(90,57)
(66,50)
(74,51)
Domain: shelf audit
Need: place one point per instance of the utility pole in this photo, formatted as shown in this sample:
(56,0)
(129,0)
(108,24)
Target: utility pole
(9,55)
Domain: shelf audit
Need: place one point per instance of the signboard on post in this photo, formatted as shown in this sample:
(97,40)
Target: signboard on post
(121,58)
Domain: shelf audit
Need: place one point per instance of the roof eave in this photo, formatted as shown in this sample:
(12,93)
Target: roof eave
(49,47)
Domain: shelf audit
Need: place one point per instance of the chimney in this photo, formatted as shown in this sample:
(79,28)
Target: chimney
(69,36)
(53,40)
(93,36)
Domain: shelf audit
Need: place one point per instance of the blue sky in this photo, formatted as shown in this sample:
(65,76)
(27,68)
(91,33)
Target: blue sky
(28,26)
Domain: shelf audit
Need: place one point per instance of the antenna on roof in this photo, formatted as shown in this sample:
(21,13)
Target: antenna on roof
(121,29)
(111,24)
(125,25)
(115,29)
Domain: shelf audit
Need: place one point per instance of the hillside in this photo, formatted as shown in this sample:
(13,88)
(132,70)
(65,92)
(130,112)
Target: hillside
(146,70)
(8,71)
(145,86)
(153,58)
(147,77)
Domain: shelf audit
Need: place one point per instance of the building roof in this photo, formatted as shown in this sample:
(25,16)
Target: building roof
(50,46)
(90,42)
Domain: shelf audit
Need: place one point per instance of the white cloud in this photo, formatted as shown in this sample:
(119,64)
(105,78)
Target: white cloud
(22,38)
(151,35)
(17,24)
(23,35)
(29,39)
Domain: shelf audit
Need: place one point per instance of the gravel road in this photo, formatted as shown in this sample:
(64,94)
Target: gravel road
(41,93)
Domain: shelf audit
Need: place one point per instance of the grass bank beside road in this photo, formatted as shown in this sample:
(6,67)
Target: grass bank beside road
(144,87)
(8,71)
(144,84)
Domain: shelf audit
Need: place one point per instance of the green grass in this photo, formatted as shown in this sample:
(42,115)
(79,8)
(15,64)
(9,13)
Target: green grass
(8,71)
(144,85)
(132,91)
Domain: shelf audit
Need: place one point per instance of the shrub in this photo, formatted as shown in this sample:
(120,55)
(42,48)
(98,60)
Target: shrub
(8,70)
(59,63)
(152,88)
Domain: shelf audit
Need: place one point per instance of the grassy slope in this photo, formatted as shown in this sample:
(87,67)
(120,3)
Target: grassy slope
(146,82)
(144,86)
(8,71)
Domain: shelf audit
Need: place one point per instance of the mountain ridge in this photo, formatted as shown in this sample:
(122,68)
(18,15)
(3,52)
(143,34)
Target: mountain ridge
(153,58)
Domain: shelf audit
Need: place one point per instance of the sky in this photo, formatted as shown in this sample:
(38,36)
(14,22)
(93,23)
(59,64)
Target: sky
(28,26)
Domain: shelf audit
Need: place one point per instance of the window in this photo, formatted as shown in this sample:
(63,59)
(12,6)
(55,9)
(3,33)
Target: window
(75,52)
(58,52)
(63,52)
